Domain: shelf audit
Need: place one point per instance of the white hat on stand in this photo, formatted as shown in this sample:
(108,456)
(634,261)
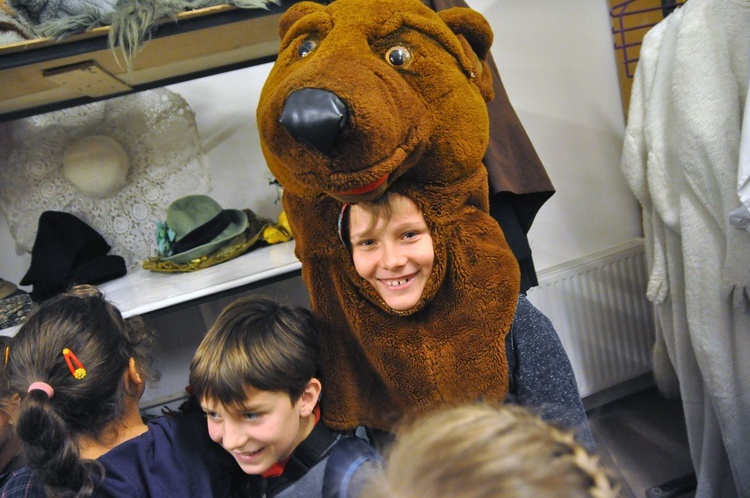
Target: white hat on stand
(116,164)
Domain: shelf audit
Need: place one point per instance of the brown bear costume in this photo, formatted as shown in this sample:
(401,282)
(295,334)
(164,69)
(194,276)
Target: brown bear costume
(367,96)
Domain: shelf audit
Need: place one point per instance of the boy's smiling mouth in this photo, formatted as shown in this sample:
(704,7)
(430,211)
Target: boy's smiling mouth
(247,456)
(393,283)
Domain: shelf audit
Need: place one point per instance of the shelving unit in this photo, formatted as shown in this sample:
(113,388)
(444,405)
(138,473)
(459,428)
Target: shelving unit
(142,291)
(44,75)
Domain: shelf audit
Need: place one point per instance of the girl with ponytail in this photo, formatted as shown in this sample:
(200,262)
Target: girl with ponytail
(81,370)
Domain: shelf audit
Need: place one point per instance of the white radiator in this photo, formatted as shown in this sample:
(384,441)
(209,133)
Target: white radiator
(598,307)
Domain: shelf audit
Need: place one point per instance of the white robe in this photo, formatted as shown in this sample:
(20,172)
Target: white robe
(634,167)
(689,158)
(743,170)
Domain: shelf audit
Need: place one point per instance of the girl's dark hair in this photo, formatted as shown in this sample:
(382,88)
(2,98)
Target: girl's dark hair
(94,330)
(6,394)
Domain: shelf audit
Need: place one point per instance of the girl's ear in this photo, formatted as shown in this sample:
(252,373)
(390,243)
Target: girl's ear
(134,376)
(310,396)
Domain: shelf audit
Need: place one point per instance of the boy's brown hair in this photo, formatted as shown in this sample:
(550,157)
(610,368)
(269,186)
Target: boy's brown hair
(255,343)
(380,210)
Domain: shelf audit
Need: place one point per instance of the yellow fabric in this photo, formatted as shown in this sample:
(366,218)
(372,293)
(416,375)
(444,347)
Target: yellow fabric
(424,127)
(280,232)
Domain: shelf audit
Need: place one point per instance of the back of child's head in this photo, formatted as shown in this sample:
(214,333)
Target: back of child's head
(8,398)
(255,343)
(485,451)
(74,349)
(10,445)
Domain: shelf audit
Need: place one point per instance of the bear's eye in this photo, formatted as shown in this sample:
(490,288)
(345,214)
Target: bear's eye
(306,47)
(398,56)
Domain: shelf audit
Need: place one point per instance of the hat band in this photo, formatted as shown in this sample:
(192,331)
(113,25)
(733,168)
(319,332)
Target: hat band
(203,234)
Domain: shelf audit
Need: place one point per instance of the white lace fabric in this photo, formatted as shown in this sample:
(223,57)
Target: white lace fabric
(156,128)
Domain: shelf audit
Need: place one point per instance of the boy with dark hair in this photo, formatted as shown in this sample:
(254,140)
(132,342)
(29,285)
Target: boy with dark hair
(255,375)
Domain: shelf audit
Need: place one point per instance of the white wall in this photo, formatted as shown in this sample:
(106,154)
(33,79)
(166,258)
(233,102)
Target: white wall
(558,66)
(224,107)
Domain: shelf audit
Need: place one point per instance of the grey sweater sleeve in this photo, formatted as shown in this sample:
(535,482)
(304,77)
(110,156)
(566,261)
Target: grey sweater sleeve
(542,377)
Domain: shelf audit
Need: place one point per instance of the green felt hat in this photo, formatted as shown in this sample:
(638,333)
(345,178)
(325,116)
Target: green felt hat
(201,227)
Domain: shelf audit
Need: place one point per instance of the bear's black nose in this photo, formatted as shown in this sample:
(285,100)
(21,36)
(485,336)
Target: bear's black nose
(315,117)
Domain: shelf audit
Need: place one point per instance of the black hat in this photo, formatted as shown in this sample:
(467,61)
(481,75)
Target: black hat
(67,252)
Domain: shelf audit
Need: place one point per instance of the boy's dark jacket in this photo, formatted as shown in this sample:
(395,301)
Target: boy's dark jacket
(336,463)
(340,121)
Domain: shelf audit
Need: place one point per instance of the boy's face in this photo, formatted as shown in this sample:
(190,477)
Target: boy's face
(396,257)
(265,432)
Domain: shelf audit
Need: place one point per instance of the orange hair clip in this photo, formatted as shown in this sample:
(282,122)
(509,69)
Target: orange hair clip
(7,354)
(78,371)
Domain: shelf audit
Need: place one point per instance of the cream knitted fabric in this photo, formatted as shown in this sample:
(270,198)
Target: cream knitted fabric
(158,132)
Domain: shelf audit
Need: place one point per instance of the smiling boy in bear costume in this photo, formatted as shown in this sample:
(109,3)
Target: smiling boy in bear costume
(368,96)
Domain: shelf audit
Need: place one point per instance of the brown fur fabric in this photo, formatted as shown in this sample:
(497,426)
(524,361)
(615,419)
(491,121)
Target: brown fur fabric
(420,129)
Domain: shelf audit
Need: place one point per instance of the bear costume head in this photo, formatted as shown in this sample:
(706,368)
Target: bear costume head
(368,96)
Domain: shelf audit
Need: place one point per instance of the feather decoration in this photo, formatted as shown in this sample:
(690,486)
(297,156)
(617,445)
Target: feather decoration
(13,29)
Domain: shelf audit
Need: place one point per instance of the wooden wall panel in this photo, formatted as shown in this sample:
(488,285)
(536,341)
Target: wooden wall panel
(631,20)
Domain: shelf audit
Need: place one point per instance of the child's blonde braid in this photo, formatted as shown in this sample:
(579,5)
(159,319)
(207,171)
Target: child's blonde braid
(587,464)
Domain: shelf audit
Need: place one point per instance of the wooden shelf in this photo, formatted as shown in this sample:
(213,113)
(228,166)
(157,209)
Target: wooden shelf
(43,75)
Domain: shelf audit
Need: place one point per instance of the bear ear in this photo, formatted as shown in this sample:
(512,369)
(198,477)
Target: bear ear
(475,35)
(295,13)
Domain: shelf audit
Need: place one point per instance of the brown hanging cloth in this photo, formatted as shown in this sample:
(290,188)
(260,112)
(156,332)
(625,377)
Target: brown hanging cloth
(519,184)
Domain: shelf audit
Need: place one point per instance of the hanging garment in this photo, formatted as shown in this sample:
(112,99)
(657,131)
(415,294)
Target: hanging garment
(681,162)
(634,167)
(743,170)
(519,184)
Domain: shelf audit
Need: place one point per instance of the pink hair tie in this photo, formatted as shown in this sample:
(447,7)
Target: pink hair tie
(42,386)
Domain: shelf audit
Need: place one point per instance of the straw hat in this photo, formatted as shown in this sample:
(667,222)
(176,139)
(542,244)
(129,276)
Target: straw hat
(97,166)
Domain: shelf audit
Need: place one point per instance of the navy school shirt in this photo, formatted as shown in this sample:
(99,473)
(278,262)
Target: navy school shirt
(174,458)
